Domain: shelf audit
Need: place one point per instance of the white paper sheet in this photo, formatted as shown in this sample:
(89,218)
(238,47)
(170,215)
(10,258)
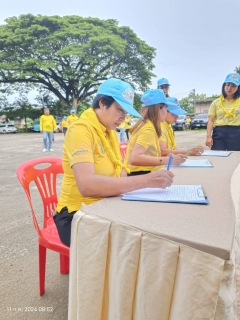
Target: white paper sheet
(195,163)
(216,153)
(175,193)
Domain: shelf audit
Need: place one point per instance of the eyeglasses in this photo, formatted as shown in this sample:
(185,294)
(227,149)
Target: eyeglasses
(164,87)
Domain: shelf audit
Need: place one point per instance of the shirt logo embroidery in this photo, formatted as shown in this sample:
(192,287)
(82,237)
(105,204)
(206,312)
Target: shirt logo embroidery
(101,148)
(79,152)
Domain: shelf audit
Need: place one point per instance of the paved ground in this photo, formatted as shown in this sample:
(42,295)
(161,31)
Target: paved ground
(18,245)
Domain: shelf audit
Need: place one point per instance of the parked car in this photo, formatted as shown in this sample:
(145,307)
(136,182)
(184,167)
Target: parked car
(180,124)
(7,128)
(200,121)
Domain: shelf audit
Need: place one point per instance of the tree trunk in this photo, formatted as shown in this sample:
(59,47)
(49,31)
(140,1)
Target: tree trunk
(74,103)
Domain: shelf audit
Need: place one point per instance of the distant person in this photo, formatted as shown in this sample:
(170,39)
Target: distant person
(128,125)
(64,125)
(122,131)
(167,139)
(92,162)
(223,129)
(143,152)
(72,117)
(188,122)
(47,126)
(164,85)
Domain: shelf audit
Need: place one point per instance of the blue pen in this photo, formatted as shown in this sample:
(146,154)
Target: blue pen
(169,162)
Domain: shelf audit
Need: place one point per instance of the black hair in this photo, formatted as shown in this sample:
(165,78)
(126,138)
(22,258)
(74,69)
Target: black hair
(236,94)
(106,100)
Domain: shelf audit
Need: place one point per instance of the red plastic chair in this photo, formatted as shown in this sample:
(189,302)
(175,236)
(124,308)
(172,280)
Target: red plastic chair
(48,238)
(123,149)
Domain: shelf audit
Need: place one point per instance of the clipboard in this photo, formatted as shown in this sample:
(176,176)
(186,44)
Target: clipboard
(216,153)
(192,194)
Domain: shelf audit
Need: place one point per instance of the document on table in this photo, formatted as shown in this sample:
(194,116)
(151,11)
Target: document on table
(175,193)
(195,163)
(216,153)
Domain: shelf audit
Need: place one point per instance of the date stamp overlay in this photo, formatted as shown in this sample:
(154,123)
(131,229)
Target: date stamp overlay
(29,309)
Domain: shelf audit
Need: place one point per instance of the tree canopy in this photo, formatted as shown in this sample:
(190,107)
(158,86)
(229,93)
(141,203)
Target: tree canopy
(70,56)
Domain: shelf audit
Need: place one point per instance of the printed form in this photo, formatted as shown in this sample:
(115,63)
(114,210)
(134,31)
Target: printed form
(175,193)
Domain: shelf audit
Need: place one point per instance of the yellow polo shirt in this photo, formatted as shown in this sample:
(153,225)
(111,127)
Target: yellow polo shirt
(216,111)
(64,124)
(167,135)
(71,119)
(146,137)
(82,144)
(47,123)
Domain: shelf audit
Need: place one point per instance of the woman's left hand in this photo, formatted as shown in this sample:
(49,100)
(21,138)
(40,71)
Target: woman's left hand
(196,151)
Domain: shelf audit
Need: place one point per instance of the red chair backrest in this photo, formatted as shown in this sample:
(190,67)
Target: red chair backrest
(123,149)
(45,180)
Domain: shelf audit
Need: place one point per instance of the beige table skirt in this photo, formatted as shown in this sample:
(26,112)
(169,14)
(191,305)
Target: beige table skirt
(119,272)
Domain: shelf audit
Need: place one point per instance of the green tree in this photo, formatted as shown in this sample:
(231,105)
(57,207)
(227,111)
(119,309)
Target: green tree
(187,103)
(70,56)
(21,108)
(237,70)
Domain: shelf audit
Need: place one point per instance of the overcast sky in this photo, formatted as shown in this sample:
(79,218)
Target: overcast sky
(197,41)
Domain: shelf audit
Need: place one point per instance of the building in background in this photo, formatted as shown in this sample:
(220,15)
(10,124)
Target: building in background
(202,106)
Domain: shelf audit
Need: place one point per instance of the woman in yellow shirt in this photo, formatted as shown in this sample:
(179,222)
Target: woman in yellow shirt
(91,157)
(143,153)
(167,139)
(223,129)
(64,125)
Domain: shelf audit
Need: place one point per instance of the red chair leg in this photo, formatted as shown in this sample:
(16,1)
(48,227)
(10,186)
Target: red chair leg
(42,268)
(64,264)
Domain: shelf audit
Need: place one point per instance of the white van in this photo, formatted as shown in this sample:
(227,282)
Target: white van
(7,128)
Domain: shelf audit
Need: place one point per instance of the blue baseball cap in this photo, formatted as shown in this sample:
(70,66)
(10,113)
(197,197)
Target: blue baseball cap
(64,117)
(121,92)
(233,78)
(176,109)
(73,111)
(155,96)
(163,81)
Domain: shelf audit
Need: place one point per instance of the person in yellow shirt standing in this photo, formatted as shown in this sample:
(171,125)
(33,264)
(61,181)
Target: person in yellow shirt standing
(128,125)
(143,152)
(188,122)
(223,129)
(47,126)
(167,139)
(64,125)
(72,117)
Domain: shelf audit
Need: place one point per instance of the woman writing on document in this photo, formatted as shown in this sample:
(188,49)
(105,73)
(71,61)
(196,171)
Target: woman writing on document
(167,140)
(223,129)
(91,157)
(143,153)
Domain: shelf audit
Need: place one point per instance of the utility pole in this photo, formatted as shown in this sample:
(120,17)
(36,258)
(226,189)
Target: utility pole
(194,100)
